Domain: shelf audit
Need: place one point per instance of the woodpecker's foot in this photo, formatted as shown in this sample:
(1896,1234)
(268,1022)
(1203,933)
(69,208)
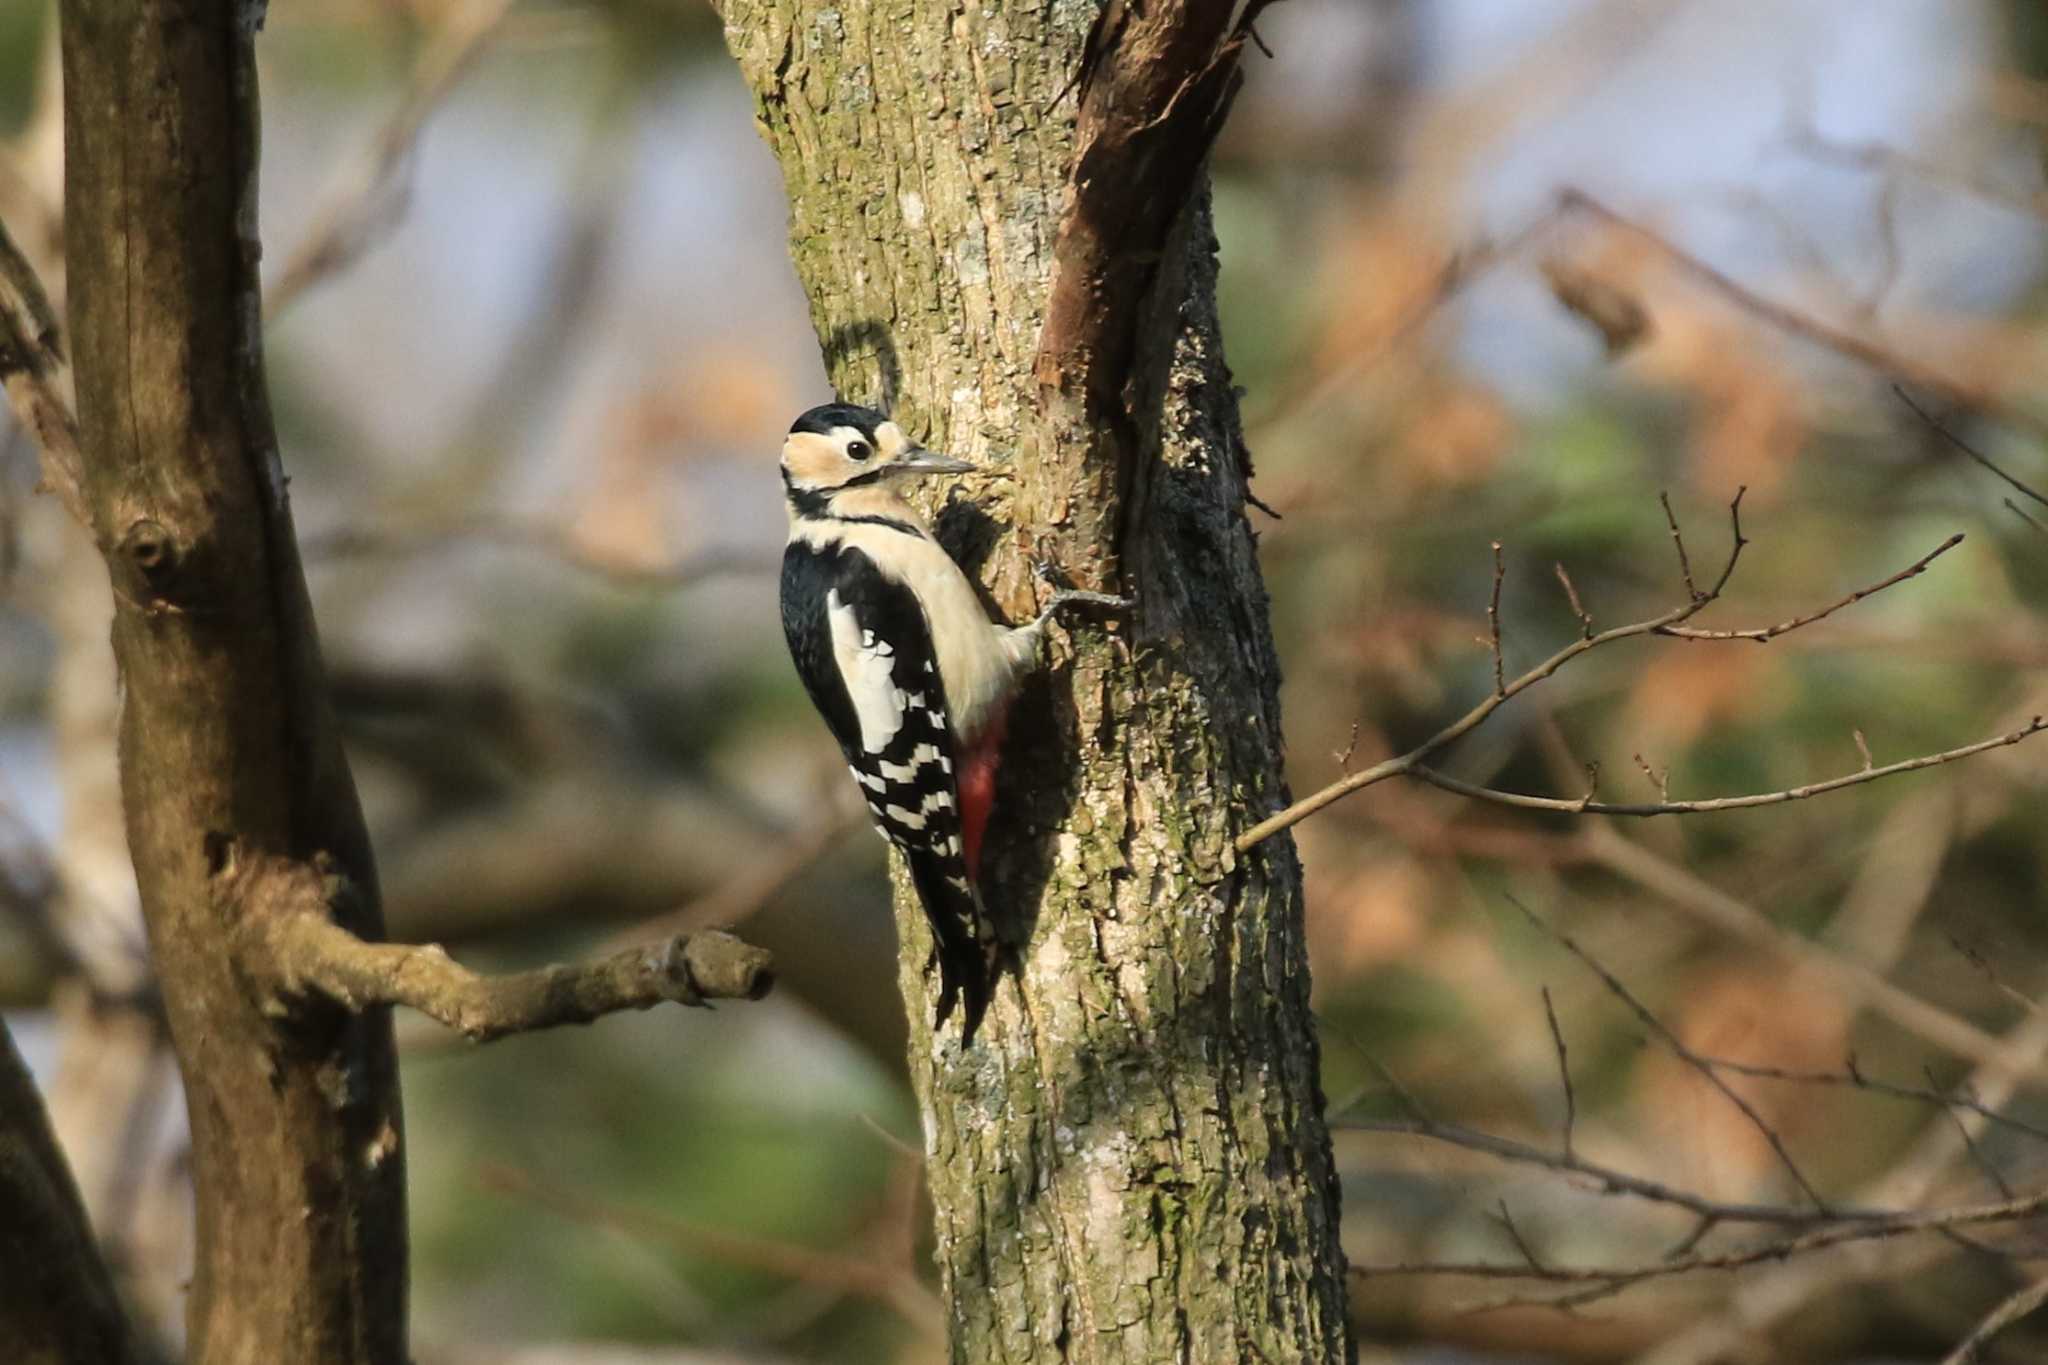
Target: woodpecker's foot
(1075,597)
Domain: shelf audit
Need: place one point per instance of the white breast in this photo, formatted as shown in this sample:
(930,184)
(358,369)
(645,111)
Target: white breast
(978,662)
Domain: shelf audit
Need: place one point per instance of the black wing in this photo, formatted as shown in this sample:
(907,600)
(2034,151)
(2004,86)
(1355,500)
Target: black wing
(864,651)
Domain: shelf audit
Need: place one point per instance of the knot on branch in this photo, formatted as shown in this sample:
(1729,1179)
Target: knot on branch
(154,563)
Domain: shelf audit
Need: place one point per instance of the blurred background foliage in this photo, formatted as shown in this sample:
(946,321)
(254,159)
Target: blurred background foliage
(535,343)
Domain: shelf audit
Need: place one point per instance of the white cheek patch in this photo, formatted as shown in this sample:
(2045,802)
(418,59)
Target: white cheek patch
(866,666)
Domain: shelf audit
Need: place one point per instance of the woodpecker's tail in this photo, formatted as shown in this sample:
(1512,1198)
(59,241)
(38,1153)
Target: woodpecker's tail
(964,940)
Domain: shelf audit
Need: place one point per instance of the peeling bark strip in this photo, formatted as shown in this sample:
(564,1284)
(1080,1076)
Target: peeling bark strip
(225,730)
(1131,1164)
(1156,82)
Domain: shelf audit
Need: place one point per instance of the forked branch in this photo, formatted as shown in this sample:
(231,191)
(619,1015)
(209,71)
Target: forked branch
(1670,623)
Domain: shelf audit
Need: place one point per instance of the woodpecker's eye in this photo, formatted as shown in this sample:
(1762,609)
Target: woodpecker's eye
(858,450)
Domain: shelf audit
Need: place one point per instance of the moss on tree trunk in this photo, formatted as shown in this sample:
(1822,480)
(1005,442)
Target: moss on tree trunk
(1132,1162)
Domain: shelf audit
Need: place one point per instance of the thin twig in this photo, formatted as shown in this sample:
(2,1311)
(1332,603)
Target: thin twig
(1578,610)
(1605,845)
(1500,572)
(35,375)
(1608,1180)
(1900,1224)
(2022,1302)
(753,887)
(560,546)
(1675,1046)
(1977,1154)
(2024,515)
(1410,764)
(1678,540)
(1795,323)
(1343,755)
(893,1287)
(1764,634)
(1723,803)
(1471,720)
(1991,975)
(1854,1077)
(1965,447)
(1564,1073)
(1660,780)
(1507,1220)
(358,203)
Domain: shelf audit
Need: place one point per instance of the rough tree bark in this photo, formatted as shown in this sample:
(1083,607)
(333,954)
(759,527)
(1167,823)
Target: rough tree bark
(1132,1163)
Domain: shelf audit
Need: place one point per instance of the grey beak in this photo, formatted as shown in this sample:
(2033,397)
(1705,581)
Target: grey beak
(922,461)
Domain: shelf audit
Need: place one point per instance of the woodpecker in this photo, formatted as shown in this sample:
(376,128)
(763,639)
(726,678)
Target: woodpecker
(912,677)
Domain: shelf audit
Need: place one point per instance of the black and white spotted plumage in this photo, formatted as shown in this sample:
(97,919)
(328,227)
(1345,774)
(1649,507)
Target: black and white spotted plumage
(864,651)
(914,679)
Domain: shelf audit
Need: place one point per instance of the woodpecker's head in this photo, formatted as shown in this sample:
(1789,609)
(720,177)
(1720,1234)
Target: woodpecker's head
(839,448)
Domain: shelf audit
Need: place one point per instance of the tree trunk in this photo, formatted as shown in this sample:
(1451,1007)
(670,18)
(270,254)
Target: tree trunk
(1131,1164)
(228,748)
(57,1302)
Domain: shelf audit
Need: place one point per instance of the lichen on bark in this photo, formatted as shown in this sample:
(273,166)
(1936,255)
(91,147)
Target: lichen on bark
(1131,1164)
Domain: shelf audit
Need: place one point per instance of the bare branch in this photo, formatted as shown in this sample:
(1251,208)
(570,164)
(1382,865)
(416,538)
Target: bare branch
(1410,764)
(1578,610)
(1864,351)
(1316,384)
(2024,515)
(1752,1308)
(1675,1045)
(756,885)
(1564,1072)
(1612,1279)
(289,904)
(360,201)
(1678,541)
(1507,1220)
(1765,634)
(895,1287)
(1343,755)
(1607,1180)
(530,537)
(1604,845)
(1965,447)
(33,371)
(2023,1302)
(1854,1077)
(1724,803)
(1500,572)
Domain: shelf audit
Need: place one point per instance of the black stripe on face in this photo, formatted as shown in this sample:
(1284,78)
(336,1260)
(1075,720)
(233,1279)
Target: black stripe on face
(805,502)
